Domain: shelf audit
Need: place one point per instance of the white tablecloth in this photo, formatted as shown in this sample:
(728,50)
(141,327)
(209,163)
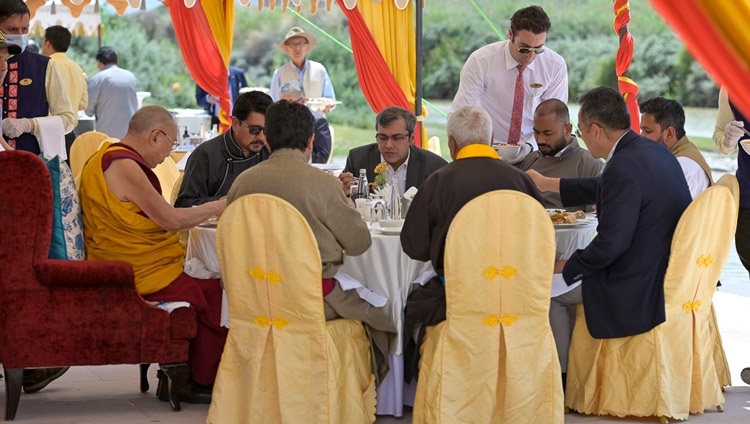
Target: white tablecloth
(568,240)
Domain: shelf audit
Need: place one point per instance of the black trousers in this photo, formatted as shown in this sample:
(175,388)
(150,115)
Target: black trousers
(69,139)
(742,237)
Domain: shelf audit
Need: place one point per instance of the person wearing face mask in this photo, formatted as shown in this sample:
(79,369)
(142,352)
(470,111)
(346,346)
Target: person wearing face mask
(663,120)
(559,154)
(6,49)
(213,166)
(33,87)
(510,78)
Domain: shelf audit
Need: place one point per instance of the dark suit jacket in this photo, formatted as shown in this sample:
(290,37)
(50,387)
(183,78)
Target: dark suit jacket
(639,198)
(422,163)
(236,81)
(322,143)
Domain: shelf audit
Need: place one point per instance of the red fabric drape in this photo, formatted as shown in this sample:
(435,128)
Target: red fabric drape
(199,51)
(378,85)
(627,87)
(707,45)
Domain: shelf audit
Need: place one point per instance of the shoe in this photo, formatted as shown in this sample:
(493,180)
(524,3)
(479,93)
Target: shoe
(36,379)
(190,393)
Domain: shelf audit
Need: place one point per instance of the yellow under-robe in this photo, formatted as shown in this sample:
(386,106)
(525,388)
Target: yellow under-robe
(115,230)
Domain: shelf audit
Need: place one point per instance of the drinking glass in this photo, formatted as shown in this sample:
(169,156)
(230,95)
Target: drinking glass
(353,189)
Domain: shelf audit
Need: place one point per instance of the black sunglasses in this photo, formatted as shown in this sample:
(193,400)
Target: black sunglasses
(253,129)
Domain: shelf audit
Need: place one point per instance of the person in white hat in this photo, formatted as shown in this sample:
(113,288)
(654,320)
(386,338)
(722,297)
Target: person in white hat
(313,75)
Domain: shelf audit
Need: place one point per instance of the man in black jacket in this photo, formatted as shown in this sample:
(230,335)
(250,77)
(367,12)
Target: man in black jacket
(213,166)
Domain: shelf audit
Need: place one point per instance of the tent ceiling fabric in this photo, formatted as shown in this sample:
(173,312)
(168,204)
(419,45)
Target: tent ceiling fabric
(85,23)
(76,6)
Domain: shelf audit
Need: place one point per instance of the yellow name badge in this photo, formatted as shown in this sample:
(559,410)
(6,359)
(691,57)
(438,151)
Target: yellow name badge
(25,81)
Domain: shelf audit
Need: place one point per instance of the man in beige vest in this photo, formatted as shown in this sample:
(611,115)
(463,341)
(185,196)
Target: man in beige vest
(313,75)
(663,120)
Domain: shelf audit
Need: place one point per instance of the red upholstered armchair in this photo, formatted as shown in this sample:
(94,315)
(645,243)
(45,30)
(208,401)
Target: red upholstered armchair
(64,313)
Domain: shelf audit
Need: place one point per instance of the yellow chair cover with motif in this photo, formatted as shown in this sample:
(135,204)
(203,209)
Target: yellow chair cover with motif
(668,371)
(282,362)
(168,174)
(84,146)
(494,360)
(720,358)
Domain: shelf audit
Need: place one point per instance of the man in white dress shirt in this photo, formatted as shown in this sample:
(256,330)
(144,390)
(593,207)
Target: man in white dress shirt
(663,120)
(490,75)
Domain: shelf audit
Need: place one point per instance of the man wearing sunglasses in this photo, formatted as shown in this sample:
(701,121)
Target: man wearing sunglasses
(213,166)
(510,78)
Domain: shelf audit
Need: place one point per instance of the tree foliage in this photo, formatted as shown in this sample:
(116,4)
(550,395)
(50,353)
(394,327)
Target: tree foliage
(581,32)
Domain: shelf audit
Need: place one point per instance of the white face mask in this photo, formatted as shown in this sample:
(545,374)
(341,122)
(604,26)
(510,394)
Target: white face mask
(19,39)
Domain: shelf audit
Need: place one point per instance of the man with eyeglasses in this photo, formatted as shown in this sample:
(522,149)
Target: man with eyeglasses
(510,78)
(213,166)
(394,145)
(292,91)
(125,218)
(313,75)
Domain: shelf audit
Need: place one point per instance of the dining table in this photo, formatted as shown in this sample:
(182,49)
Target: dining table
(386,270)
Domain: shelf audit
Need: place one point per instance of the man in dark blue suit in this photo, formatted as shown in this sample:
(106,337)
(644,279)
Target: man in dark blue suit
(639,198)
(208,102)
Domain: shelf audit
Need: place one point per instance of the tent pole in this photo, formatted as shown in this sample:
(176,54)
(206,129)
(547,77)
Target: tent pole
(418,97)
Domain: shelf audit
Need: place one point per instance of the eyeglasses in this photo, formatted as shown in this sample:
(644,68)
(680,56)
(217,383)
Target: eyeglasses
(397,138)
(526,50)
(579,130)
(253,129)
(175,142)
(296,44)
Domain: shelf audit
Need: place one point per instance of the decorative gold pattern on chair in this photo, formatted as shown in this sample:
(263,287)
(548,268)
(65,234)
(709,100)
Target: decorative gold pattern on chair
(689,306)
(705,261)
(506,272)
(264,322)
(514,374)
(270,276)
(492,320)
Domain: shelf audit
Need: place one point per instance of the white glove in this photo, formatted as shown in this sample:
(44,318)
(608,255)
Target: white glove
(732,133)
(13,127)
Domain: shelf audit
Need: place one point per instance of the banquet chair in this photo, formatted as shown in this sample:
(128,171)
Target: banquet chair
(283,362)
(720,358)
(494,359)
(333,143)
(668,371)
(56,313)
(176,189)
(84,146)
(168,174)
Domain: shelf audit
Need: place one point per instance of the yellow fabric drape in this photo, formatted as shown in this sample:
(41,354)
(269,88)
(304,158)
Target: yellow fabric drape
(220,16)
(728,16)
(393,31)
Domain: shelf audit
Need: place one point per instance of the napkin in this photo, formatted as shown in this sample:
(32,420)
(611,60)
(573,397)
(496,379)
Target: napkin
(410,193)
(51,136)
(347,282)
(197,269)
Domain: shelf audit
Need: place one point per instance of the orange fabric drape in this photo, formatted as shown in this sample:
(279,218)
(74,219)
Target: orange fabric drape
(714,33)
(377,82)
(205,37)
(627,86)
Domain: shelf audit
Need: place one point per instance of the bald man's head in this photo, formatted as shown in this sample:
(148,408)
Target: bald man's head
(149,117)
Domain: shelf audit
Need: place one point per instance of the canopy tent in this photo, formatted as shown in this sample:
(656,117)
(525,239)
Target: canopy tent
(86,24)
(718,46)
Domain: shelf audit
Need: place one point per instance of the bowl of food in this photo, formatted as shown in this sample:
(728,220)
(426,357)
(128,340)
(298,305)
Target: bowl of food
(745,145)
(391,223)
(507,151)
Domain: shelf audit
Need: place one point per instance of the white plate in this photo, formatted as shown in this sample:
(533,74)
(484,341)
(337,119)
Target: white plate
(390,231)
(579,223)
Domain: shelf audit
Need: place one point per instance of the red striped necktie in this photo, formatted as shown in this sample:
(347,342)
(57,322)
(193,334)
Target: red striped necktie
(514,134)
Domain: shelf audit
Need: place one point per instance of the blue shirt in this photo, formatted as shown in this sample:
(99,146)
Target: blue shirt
(113,100)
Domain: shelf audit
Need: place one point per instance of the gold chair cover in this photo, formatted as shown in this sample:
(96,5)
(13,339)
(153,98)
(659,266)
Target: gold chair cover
(494,359)
(282,362)
(84,146)
(668,371)
(168,174)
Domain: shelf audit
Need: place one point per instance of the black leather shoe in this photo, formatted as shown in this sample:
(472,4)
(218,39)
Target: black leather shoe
(190,393)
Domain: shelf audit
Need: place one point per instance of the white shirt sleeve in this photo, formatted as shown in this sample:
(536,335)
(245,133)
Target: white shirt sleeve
(695,176)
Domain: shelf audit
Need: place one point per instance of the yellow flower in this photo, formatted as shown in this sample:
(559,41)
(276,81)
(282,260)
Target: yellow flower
(381,167)
(380,177)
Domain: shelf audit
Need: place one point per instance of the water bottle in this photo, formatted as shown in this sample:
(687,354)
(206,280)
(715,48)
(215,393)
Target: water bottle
(394,201)
(363,189)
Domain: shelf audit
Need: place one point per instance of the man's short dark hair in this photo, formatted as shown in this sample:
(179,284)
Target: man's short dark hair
(532,18)
(667,113)
(393,113)
(288,125)
(59,37)
(606,107)
(555,106)
(107,55)
(247,103)
(10,8)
